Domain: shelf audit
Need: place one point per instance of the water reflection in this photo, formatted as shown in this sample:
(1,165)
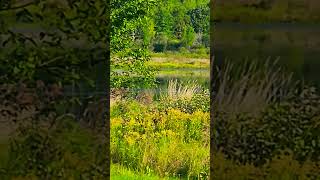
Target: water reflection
(296,45)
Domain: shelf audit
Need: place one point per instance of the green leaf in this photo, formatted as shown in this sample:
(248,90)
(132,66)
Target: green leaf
(16,70)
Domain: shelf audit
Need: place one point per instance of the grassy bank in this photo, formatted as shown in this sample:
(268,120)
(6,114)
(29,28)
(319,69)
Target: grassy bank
(172,62)
(201,53)
(202,74)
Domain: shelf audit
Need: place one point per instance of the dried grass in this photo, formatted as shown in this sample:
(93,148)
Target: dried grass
(178,90)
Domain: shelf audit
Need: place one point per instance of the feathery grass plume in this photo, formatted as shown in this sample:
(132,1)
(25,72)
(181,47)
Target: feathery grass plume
(178,90)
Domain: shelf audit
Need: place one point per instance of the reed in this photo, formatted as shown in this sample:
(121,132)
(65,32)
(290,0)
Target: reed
(177,90)
(251,87)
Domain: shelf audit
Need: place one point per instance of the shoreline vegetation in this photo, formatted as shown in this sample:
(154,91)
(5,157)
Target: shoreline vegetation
(198,54)
(176,122)
(261,150)
(273,135)
(179,62)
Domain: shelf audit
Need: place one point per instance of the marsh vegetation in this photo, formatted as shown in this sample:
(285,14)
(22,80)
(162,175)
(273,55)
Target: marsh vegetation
(160,102)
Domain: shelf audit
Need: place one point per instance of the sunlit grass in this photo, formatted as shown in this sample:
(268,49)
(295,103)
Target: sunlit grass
(184,73)
(119,172)
(177,90)
(179,55)
(178,63)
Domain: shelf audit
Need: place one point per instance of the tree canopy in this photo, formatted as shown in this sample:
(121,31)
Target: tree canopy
(63,41)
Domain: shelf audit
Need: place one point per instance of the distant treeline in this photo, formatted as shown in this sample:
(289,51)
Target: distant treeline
(266,10)
(176,24)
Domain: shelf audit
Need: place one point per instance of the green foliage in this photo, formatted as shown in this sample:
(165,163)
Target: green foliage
(148,140)
(130,70)
(148,31)
(60,150)
(53,56)
(188,37)
(198,100)
(281,142)
(183,53)
(161,41)
(119,172)
(45,56)
(199,18)
(164,20)
(128,67)
(180,21)
(289,126)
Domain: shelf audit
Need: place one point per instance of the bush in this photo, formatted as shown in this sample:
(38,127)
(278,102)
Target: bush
(187,98)
(160,42)
(206,40)
(183,50)
(62,150)
(188,37)
(173,45)
(289,126)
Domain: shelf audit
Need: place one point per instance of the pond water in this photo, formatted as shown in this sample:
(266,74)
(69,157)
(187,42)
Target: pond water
(184,76)
(296,45)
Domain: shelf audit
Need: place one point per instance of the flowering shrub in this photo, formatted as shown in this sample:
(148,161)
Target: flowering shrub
(171,143)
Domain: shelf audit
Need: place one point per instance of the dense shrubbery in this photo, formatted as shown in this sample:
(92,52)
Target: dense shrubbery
(50,54)
(290,126)
(259,113)
(169,142)
(187,97)
(45,142)
(280,142)
(55,151)
(198,102)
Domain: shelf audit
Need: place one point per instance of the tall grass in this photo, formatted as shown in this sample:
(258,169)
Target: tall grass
(119,172)
(251,86)
(177,90)
(169,144)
